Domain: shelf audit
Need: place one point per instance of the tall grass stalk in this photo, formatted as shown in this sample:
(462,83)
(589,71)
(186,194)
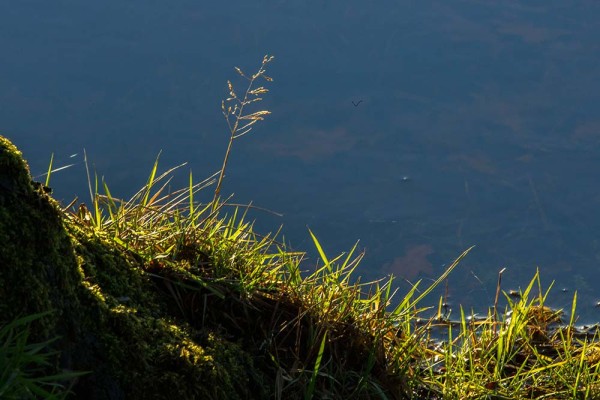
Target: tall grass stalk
(238,120)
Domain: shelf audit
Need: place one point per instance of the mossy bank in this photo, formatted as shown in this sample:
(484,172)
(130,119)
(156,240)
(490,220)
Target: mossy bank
(111,318)
(160,297)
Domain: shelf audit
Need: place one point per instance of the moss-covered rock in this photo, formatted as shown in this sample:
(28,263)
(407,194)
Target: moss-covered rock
(38,268)
(111,318)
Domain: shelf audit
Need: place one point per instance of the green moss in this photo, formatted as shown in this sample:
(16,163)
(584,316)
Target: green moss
(36,261)
(14,171)
(111,317)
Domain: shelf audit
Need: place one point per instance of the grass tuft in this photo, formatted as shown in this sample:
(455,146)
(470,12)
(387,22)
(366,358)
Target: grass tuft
(24,366)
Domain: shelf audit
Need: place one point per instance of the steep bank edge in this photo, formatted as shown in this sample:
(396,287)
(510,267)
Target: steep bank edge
(110,317)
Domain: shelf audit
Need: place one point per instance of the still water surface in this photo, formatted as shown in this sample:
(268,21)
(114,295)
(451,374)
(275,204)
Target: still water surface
(478,122)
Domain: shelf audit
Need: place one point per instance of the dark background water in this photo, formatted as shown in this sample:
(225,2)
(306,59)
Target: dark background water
(478,124)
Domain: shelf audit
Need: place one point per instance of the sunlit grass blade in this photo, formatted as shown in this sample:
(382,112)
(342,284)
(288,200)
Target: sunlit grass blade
(150,183)
(313,379)
(327,263)
(441,278)
(47,183)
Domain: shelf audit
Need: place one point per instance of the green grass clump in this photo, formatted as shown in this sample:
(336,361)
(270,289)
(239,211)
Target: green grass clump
(529,354)
(319,334)
(24,365)
(189,298)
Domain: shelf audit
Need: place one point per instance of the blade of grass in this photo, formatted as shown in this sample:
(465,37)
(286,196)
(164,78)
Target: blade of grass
(313,380)
(49,170)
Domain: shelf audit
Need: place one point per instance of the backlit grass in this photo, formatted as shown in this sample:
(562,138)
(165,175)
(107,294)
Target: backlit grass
(318,330)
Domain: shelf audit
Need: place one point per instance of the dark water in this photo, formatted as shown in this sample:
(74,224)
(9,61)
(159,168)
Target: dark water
(478,123)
